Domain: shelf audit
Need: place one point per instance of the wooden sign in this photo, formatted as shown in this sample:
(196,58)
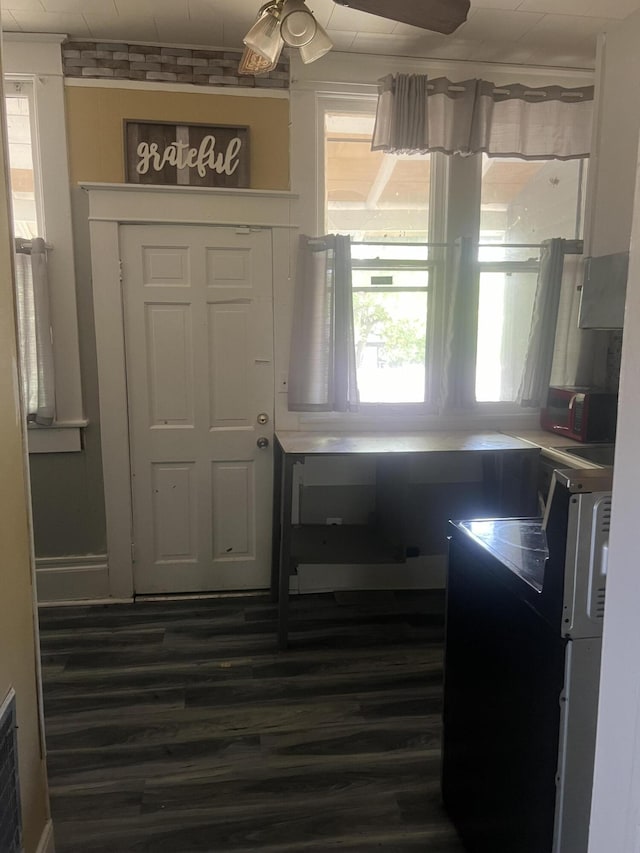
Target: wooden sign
(192,155)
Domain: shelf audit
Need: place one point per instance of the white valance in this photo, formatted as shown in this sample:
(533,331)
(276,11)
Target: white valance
(416,116)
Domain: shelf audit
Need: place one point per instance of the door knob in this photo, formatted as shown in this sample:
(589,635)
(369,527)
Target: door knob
(262,442)
(263,418)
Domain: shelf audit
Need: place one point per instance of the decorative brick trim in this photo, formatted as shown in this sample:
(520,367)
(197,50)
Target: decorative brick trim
(168,64)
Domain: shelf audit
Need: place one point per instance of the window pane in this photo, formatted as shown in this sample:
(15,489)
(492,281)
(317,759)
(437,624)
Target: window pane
(21,166)
(371,195)
(390,330)
(504,320)
(525,201)
(379,198)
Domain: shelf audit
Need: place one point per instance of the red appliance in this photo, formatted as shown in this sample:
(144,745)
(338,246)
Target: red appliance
(580,412)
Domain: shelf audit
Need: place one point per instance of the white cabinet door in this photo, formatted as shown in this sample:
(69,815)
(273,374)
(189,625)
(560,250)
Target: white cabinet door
(199,349)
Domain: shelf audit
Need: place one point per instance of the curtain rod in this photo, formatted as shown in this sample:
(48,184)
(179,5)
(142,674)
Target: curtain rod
(387,243)
(24,246)
(443,245)
(501,90)
(572,247)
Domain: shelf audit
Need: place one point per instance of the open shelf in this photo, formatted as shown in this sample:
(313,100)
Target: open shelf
(342,543)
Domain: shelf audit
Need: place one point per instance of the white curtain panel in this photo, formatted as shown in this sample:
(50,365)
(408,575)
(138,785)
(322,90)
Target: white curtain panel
(579,354)
(540,348)
(34,334)
(322,365)
(458,374)
(416,115)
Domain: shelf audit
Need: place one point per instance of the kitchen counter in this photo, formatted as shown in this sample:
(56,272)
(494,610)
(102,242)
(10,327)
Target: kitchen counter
(315,443)
(373,443)
(500,480)
(549,443)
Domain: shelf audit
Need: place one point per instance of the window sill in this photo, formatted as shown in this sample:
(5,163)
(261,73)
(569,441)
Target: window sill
(496,417)
(60,438)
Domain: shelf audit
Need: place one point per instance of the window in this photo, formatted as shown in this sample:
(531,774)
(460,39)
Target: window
(35,110)
(522,203)
(371,195)
(390,306)
(383,203)
(505,305)
(26,195)
(399,214)
(528,201)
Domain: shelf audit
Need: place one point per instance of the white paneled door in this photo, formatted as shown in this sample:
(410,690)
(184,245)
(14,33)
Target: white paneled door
(199,350)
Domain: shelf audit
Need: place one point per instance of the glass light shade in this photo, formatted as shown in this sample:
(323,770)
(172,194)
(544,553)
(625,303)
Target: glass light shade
(297,25)
(317,47)
(254,64)
(264,36)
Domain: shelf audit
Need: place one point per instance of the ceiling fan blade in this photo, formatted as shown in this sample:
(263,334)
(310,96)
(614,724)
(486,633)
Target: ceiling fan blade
(441,16)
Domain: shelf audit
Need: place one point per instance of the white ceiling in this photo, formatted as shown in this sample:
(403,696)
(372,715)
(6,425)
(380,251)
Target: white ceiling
(540,32)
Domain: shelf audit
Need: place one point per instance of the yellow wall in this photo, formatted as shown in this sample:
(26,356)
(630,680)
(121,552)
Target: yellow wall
(18,651)
(95,127)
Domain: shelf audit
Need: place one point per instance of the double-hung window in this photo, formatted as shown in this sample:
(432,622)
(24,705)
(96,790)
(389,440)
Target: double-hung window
(403,214)
(522,203)
(41,206)
(384,203)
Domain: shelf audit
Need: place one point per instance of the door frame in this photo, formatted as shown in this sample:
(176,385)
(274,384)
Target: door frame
(114,205)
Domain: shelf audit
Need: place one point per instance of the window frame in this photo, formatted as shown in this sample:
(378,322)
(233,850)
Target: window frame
(36,60)
(502,268)
(365,104)
(454,209)
(432,267)
(353,78)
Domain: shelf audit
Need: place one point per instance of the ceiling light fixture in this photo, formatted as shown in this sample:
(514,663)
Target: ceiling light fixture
(281,22)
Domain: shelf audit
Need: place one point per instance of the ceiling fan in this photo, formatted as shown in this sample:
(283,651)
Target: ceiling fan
(291,22)
(441,16)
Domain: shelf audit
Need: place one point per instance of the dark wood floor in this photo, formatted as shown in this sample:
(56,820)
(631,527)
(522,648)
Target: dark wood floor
(178,726)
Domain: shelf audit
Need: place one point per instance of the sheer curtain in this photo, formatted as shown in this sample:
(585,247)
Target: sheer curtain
(458,374)
(536,374)
(322,371)
(34,333)
(416,115)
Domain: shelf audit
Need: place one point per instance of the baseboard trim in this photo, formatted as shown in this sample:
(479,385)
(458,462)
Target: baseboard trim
(46,843)
(78,577)
(89,602)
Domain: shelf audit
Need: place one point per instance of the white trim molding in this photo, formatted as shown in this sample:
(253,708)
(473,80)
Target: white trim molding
(32,53)
(360,72)
(113,205)
(62,438)
(46,843)
(151,86)
(72,578)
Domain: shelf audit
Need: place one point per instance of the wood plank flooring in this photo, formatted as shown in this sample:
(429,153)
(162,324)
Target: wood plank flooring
(176,726)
